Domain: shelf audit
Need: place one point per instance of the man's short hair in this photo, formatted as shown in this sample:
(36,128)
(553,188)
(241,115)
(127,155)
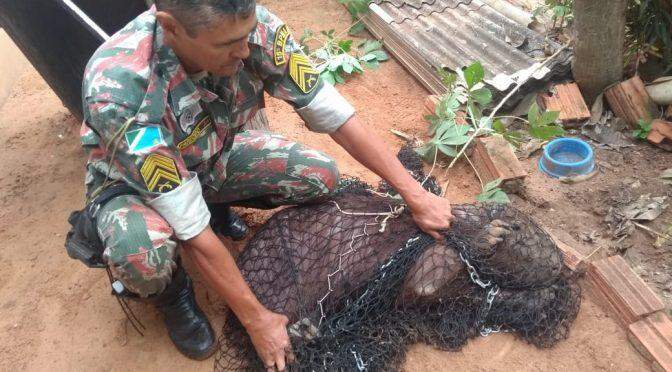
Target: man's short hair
(195,14)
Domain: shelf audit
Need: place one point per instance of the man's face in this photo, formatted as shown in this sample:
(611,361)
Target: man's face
(218,49)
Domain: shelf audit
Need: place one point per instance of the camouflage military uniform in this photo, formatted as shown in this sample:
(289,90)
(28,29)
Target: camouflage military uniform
(181,140)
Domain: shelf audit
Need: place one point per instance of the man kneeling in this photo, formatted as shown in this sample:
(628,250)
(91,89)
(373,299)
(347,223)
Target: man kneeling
(176,133)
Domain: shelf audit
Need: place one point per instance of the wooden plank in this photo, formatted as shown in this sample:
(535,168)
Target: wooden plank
(574,260)
(627,294)
(661,130)
(494,159)
(652,337)
(567,99)
(630,101)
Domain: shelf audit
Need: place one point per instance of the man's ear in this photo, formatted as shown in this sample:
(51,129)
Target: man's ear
(172,28)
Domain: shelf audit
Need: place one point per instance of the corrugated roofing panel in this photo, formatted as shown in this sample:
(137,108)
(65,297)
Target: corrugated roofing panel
(454,33)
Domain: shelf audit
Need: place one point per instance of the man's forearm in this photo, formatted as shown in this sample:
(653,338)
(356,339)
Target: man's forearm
(374,154)
(220,271)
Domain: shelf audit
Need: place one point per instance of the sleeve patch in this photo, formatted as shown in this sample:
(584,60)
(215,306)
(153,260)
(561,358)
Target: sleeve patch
(143,140)
(281,37)
(160,173)
(303,72)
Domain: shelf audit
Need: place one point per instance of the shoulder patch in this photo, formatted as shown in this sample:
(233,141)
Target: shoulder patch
(160,173)
(281,36)
(303,72)
(144,139)
(197,133)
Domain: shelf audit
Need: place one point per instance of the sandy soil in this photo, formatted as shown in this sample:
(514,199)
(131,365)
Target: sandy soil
(57,315)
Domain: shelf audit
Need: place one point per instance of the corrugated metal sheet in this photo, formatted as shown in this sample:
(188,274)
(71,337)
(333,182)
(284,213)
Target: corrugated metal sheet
(428,34)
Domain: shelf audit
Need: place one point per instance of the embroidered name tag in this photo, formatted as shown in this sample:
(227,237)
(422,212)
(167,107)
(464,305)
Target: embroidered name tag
(197,133)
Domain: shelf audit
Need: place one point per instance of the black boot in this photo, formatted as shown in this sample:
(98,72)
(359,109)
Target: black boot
(188,327)
(227,223)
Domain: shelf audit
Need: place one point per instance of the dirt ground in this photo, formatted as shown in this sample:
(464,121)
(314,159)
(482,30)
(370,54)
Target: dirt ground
(58,315)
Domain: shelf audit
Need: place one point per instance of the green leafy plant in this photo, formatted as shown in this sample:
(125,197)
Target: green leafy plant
(357,9)
(452,130)
(559,10)
(447,127)
(336,58)
(643,129)
(493,193)
(514,137)
(542,125)
(649,32)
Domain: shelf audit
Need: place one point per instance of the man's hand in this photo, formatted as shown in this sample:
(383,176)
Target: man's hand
(267,330)
(270,339)
(431,213)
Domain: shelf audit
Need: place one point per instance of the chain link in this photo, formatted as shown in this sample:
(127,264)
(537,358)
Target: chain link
(473,274)
(361,366)
(493,291)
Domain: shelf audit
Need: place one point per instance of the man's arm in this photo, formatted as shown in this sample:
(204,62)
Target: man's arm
(267,330)
(432,213)
(161,177)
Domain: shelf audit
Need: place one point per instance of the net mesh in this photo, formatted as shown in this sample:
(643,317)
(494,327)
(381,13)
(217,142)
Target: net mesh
(360,283)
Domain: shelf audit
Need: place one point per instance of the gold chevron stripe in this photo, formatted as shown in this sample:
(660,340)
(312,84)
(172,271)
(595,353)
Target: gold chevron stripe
(303,72)
(160,173)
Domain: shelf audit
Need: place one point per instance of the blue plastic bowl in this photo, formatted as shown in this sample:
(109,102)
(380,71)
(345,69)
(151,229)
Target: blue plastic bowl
(567,157)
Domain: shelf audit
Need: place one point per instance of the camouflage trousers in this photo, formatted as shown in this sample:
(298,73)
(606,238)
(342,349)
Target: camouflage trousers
(263,170)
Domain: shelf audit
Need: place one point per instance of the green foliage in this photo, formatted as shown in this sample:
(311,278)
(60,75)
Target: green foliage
(648,32)
(466,87)
(542,125)
(643,129)
(493,193)
(357,8)
(559,10)
(336,58)
(447,135)
(514,137)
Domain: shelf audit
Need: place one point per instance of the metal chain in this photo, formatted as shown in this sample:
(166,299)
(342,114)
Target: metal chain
(361,366)
(473,274)
(492,292)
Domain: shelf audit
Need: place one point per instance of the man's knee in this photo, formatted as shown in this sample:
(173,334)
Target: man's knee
(317,171)
(138,248)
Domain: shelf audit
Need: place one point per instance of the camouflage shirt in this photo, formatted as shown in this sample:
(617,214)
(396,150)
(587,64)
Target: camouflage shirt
(168,135)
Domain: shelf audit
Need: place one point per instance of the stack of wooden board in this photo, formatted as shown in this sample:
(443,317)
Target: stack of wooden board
(636,307)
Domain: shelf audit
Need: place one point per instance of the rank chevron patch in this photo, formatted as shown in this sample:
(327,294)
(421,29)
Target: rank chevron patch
(281,37)
(303,73)
(160,173)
